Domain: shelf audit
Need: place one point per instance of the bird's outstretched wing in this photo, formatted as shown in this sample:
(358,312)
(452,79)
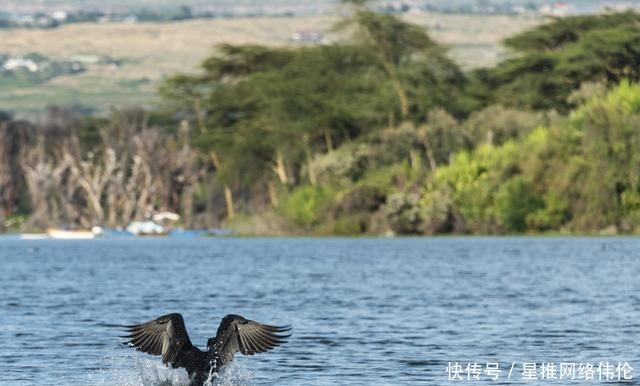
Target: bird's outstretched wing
(237,334)
(166,336)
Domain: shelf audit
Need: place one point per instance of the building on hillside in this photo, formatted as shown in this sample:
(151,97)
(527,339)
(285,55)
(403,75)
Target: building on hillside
(308,37)
(59,16)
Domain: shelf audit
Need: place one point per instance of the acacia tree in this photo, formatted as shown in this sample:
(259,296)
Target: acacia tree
(396,46)
(265,112)
(552,61)
(220,104)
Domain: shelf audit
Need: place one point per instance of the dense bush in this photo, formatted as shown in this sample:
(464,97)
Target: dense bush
(308,205)
(582,175)
(497,124)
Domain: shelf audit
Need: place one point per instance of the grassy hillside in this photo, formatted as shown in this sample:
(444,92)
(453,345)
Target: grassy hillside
(149,51)
(93,4)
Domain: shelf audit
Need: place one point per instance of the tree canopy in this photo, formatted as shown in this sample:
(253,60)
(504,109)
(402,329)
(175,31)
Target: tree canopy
(549,62)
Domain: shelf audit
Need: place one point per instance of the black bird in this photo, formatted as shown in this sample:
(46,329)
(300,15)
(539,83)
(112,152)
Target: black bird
(167,336)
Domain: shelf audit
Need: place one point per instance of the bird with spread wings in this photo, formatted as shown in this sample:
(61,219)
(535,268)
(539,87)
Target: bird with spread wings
(167,336)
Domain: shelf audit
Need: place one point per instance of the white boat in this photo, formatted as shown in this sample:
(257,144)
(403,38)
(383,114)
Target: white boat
(33,236)
(70,235)
(145,228)
(165,216)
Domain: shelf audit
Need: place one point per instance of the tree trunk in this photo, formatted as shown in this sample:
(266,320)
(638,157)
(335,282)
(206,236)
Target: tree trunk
(187,206)
(112,206)
(93,199)
(404,100)
(35,177)
(328,141)
(397,85)
(429,150)
(146,194)
(490,137)
(280,169)
(198,109)
(129,196)
(2,220)
(228,197)
(228,194)
(7,182)
(311,172)
(273,194)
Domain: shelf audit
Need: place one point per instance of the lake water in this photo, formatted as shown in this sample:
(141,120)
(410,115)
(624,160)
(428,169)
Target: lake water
(364,311)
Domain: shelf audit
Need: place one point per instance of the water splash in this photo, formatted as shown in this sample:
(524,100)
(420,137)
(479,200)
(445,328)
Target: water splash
(139,371)
(117,371)
(233,374)
(153,373)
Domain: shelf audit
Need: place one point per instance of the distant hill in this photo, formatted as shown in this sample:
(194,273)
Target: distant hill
(269,6)
(126,61)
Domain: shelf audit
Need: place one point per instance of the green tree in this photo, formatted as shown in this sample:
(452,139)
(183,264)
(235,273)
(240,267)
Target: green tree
(406,55)
(516,201)
(553,60)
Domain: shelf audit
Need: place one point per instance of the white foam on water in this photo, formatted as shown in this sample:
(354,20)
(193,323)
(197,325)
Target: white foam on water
(233,374)
(140,371)
(153,373)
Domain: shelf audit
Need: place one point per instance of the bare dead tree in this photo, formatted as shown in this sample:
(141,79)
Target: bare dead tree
(133,171)
(7,185)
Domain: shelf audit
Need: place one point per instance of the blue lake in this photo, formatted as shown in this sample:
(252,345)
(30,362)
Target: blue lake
(364,311)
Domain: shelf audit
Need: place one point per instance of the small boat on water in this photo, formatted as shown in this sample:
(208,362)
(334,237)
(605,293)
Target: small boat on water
(146,228)
(64,234)
(33,236)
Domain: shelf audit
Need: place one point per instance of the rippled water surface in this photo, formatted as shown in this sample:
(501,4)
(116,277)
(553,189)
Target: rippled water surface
(364,311)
